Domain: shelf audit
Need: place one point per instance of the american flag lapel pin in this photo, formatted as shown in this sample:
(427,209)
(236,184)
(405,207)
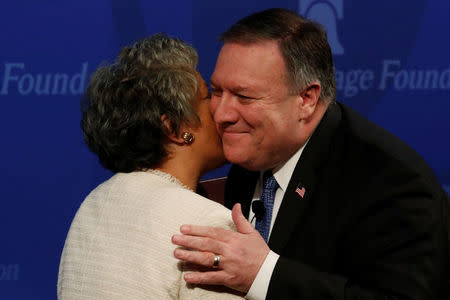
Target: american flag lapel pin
(300,190)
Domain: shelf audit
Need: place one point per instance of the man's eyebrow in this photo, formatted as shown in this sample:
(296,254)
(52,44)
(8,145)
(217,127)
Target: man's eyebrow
(239,89)
(235,89)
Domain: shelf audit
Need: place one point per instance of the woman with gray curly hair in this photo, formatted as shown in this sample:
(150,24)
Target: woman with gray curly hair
(147,119)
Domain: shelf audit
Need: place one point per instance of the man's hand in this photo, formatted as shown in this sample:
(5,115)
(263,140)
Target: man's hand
(241,253)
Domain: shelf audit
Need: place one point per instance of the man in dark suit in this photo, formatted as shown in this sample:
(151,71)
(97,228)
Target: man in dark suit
(348,210)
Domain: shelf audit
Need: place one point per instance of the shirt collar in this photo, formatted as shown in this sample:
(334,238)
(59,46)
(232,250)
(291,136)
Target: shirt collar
(283,174)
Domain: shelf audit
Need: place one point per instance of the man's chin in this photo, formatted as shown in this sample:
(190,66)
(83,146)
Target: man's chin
(241,160)
(245,162)
(234,157)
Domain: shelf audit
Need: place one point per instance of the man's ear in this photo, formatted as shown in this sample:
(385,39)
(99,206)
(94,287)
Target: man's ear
(170,134)
(310,96)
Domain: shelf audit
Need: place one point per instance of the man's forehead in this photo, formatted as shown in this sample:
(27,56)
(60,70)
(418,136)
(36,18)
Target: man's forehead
(234,83)
(264,56)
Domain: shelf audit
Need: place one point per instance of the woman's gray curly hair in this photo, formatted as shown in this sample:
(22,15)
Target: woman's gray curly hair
(125,101)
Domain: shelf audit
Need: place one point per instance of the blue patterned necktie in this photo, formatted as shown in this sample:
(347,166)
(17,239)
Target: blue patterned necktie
(270,186)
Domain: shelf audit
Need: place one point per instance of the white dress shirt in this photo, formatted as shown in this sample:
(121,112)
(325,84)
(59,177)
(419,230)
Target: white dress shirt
(283,175)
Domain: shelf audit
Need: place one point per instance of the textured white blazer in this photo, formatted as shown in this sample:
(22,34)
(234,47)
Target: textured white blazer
(119,244)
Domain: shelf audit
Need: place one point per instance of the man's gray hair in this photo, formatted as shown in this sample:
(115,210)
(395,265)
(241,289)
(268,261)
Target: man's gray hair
(302,43)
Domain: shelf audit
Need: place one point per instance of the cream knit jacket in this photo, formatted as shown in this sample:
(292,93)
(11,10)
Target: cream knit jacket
(119,244)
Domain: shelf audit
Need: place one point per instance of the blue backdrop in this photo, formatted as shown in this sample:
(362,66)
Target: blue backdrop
(392,65)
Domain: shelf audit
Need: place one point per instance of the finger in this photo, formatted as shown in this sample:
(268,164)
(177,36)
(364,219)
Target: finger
(197,243)
(212,277)
(242,225)
(207,231)
(199,258)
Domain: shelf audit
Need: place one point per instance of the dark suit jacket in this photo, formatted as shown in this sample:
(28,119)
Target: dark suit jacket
(371,225)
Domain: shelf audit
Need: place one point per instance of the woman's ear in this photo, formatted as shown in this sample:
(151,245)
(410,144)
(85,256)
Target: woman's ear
(170,134)
(185,138)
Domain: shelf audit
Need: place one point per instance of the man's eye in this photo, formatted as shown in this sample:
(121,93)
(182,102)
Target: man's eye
(244,97)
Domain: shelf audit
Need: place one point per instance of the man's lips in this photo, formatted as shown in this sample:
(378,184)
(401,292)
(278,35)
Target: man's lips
(231,131)
(232,136)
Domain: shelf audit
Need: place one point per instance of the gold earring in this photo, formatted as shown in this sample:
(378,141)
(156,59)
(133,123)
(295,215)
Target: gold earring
(188,138)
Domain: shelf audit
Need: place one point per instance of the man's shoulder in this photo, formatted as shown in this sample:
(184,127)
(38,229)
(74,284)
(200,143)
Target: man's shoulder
(359,130)
(369,144)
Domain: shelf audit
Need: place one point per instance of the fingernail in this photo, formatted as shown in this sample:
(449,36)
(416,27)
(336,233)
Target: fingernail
(185,228)
(176,252)
(187,276)
(175,238)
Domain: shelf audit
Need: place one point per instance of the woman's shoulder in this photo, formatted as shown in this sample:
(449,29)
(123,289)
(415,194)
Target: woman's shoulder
(149,197)
(195,209)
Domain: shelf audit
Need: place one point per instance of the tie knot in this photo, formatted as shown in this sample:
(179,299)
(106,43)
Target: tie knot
(269,181)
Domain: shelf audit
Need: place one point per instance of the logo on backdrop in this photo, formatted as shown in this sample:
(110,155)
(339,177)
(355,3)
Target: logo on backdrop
(9,272)
(327,13)
(17,78)
(377,43)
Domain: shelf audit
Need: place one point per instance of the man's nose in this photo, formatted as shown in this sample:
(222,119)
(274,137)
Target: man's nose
(224,108)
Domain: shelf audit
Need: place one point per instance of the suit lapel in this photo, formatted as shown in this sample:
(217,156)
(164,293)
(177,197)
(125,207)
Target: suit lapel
(304,177)
(240,187)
